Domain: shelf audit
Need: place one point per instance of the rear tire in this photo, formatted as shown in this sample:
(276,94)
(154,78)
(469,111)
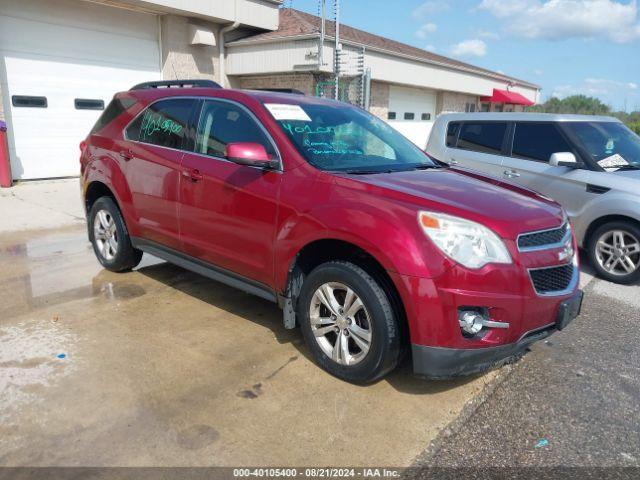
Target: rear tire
(109,237)
(342,307)
(614,251)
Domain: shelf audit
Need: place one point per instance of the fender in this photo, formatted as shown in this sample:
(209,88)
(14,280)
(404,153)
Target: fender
(103,167)
(619,204)
(381,233)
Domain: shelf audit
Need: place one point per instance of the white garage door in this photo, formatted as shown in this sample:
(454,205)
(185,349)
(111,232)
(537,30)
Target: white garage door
(58,62)
(412,112)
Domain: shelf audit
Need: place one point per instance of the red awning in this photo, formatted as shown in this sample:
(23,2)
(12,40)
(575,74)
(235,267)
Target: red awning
(505,96)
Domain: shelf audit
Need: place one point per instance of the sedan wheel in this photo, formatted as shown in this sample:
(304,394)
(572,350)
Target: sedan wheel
(340,323)
(618,252)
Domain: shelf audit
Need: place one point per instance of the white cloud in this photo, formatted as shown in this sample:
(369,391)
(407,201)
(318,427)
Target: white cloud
(488,35)
(469,48)
(596,87)
(430,8)
(561,19)
(431,48)
(538,72)
(603,82)
(425,30)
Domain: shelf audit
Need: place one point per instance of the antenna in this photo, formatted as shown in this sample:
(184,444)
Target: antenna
(338,49)
(322,13)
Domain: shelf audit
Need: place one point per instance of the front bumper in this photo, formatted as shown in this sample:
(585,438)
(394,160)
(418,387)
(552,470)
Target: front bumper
(441,362)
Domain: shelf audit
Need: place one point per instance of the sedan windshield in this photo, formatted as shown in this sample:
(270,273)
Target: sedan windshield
(612,145)
(339,138)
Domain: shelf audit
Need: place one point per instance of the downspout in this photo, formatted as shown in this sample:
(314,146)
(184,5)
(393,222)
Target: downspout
(223,60)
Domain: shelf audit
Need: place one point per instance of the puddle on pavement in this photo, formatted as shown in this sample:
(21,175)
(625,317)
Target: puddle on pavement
(40,270)
(53,269)
(30,360)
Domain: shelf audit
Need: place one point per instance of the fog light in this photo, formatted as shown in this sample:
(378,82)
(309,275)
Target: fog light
(472,321)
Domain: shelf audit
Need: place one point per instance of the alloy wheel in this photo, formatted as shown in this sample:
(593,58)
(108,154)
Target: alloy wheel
(340,323)
(618,252)
(105,235)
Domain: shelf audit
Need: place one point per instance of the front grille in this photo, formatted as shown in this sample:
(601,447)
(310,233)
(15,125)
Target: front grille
(552,280)
(542,239)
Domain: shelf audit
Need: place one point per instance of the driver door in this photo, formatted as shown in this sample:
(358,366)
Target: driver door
(528,165)
(228,211)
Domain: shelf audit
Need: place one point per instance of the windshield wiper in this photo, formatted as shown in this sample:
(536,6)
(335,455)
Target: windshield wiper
(426,167)
(623,167)
(364,172)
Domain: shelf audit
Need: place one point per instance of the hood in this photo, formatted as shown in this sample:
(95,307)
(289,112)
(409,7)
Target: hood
(505,208)
(630,174)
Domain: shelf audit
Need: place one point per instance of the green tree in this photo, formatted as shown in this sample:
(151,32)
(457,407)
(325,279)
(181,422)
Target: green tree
(583,105)
(579,104)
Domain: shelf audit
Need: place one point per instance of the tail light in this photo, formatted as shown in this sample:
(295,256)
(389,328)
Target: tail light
(83,147)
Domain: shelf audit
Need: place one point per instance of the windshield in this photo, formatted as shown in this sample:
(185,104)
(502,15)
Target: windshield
(340,138)
(612,145)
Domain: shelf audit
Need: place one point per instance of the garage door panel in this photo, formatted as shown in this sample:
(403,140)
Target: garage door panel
(66,61)
(416,102)
(69,44)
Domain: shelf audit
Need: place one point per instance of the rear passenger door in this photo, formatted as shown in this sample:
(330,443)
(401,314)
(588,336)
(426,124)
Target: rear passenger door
(150,159)
(478,145)
(528,164)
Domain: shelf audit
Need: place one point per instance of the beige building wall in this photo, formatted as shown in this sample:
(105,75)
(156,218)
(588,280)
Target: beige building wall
(1,105)
(454,102)
(299,81)
(379,99)
(180,59)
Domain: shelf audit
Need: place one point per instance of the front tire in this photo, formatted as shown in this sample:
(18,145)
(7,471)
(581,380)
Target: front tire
(348,323)
(614,251)
(109,237)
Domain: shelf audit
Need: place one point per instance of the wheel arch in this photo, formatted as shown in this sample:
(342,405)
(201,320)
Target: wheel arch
(321,251)
(94,191)
(598,222)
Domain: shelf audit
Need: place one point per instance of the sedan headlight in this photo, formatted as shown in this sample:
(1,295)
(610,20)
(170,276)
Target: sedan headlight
(468,243)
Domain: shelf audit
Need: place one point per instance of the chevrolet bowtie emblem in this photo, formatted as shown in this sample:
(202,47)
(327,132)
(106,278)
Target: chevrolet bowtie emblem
(566,253)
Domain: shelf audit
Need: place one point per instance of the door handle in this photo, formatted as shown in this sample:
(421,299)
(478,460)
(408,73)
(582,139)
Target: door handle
(193,175)
(126,155)
(511,174)
(453,162)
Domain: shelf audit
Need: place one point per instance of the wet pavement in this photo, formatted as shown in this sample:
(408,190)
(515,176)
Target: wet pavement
(163,367)
(572,402)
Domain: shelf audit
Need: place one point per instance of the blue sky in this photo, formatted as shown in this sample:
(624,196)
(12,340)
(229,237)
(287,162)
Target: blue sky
(566,46)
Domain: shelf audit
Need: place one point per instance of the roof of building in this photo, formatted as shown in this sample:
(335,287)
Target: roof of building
(294,23)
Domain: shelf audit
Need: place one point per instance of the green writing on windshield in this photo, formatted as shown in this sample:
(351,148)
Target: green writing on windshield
(292,129)
(153,123)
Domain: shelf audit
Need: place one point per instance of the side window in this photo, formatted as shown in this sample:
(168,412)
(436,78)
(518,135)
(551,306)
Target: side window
(485,137)
(222,123)
(164,123)
(116,107)
(452,134)
(538,141)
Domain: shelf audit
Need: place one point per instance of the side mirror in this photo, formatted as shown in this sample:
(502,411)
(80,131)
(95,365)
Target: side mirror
(565,159)
(252,154)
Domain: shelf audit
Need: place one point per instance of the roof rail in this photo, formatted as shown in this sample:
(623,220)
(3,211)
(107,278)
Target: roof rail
(293,91)
(177,84)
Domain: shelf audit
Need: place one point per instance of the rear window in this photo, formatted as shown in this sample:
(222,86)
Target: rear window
(538,141)
(485,137)
(163,124)
(116,107)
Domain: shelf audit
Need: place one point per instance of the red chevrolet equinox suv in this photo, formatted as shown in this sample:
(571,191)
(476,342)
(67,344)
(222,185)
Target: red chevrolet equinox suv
(370,246)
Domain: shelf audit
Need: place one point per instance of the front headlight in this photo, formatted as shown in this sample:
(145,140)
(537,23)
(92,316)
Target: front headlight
(468,243)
